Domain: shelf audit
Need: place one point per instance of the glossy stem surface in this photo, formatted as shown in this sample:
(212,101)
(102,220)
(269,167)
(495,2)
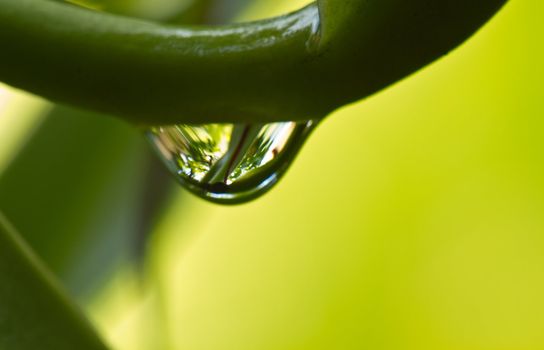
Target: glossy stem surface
(266,71)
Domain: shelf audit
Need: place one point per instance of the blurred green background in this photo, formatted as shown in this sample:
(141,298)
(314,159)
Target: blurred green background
(411,220)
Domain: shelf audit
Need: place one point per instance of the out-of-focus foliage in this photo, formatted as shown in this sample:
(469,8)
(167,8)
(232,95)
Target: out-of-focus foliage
(75,190)
(34,313)
(175,11)
(412,220)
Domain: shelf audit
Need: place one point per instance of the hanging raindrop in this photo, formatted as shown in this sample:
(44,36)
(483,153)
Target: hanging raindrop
(229,163)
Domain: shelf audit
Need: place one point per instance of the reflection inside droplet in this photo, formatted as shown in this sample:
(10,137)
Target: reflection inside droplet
(229,163)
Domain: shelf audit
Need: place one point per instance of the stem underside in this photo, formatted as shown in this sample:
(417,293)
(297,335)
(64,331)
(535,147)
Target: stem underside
(266,71)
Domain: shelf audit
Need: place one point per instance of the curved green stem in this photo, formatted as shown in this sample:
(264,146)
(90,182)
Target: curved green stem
(272,70)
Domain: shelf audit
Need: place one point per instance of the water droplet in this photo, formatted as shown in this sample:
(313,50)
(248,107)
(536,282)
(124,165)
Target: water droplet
(229,163)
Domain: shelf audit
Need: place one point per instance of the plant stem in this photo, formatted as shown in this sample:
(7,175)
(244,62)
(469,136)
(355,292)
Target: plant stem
(272,70)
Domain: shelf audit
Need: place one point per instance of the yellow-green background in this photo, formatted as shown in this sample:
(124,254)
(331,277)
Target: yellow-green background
(411,220)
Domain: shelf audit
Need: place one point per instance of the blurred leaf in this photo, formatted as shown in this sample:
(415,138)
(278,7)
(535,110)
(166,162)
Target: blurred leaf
(34,313)
(76,192)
